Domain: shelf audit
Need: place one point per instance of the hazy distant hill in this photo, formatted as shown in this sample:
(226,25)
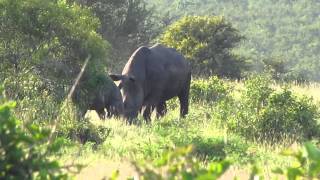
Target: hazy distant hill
(282,30)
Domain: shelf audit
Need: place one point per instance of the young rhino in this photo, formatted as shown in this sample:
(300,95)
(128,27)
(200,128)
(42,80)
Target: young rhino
(105,96)
(109,99)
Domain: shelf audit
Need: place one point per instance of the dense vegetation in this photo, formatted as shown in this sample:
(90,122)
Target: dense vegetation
(44,44)
(25,153)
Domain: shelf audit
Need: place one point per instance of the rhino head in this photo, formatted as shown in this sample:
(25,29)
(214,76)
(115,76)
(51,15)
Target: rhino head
(132,95)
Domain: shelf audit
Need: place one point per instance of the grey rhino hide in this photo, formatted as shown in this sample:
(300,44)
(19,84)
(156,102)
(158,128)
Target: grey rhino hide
(104,97)
(150,78)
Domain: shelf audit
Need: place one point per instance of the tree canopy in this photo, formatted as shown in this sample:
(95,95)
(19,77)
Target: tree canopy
(207,42)
(48,40)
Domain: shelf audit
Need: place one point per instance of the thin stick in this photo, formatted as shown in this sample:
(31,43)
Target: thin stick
(54,127)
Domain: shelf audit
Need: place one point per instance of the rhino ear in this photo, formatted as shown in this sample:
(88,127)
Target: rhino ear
(116,77)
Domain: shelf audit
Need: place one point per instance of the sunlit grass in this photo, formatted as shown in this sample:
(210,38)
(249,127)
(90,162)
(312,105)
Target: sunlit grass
(312,90)
(211,140)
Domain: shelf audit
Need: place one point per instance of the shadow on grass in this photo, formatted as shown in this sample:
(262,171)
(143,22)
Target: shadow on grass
(209,149)
(216,149)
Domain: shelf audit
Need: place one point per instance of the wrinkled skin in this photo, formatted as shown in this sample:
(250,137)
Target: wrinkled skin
(152,76)
(110,100)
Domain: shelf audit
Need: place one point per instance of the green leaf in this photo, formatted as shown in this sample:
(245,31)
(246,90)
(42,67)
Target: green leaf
(278,171)
(314,169)
(293,173)
(313,152)
(114,175)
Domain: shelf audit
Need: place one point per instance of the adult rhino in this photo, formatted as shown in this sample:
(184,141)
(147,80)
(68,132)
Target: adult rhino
(152,76)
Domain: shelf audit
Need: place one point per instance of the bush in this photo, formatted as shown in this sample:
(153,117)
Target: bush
(208,90)
(257,90)
(87,132)
(24,151)
(82,130)
(179,164)
(288,115)
(268,115)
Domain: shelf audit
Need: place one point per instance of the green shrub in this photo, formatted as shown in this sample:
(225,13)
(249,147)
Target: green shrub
(246,114)
(85,132)
(257,90)
(208,90)
(288,115)
(207,42)
(24,152)
(80,130)
(28,90)
(269,115)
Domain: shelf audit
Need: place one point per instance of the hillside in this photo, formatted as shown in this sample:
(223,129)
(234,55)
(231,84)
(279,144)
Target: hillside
(277,32)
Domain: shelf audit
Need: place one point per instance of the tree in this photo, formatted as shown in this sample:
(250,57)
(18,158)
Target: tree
(207,42)
(43,44)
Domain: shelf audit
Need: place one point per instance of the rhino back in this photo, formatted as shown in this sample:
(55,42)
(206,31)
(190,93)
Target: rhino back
(167,71)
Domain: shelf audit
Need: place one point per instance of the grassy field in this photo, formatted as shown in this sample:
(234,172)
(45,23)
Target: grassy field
(146,142)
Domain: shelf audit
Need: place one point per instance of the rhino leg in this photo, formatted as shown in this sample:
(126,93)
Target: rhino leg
(81,112)
(109,111)
(147,113)
(161,109)
(184,99)
(101,113)
(184,103)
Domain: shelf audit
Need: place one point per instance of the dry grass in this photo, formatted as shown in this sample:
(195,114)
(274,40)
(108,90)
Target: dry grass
(308,90)
(311,89)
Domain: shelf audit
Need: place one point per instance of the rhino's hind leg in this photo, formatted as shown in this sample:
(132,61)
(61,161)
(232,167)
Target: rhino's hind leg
(184,104)
(184,99)
(109,112)
(147,113)
(161,109)
(101,113)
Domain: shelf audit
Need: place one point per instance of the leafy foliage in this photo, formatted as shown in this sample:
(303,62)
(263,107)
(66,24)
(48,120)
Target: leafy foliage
(287,114)
(85,131)
(24,150)
(43,45)
(268,115)
(179,164)
(207,42)
(307,163)
(208,90)
(257,90)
